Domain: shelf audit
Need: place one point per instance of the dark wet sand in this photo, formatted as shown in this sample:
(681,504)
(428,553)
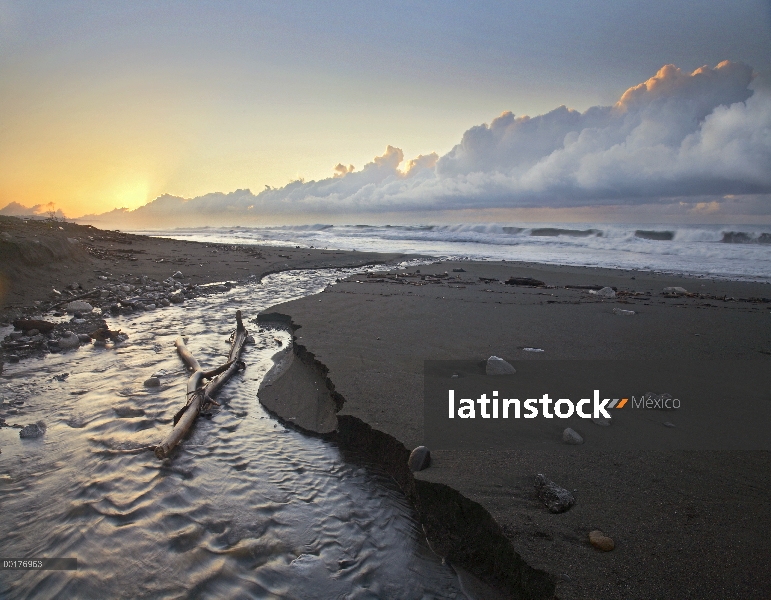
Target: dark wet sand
(685,524)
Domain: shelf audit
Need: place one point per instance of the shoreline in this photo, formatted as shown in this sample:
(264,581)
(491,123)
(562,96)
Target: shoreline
(675,513)
(362,337)
(46,264)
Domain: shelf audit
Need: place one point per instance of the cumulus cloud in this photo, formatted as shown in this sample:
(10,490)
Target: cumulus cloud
(678,135)
(341,170)
(14,209)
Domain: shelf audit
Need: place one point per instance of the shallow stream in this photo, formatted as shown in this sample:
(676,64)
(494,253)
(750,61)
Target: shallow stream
(245,507)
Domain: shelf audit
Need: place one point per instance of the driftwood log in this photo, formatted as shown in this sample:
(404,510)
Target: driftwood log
(199,396)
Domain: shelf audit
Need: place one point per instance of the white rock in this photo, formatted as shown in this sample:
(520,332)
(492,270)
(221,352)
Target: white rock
(79,306)
(69,340)
(177,275)
(677,291)
(606,292)
(498,366)
(622,312)
(569,436)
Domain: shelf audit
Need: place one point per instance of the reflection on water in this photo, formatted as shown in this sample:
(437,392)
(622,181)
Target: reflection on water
(245,508)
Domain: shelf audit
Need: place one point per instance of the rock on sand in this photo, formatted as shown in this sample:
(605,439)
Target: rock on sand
(676,291)
(420,458)
(570,436)
(79,306)
(606,292)
(601,541)
(557,499)
(69,340)
(32,431)
(498,366)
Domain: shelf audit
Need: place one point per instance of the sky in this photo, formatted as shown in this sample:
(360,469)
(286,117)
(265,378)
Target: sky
(106,105)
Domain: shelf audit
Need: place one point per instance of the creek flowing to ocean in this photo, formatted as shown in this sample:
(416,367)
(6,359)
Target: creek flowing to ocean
(245,507)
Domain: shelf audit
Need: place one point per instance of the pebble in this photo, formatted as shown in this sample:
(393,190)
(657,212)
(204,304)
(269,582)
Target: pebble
(606,292)
(79,306)
(557,499)
(69,340)
(601,541)
(32,431)
(152,382)
(668,424)
(177,275)
(677,291)
(622,312)
(420,458)
(569,436)
(498,366)
(602,421)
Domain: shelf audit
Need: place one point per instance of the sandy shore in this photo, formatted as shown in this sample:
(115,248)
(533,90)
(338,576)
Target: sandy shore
(44,264)
(38,255)
(685,524)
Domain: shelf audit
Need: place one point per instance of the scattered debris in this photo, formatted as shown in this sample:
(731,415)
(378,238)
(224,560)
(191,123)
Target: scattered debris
(622,312)
(529,349)
(524,281)
(30,324)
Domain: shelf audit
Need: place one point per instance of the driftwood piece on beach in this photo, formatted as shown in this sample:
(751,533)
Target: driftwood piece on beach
(199,396)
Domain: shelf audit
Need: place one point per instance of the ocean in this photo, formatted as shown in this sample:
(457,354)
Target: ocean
(741,252)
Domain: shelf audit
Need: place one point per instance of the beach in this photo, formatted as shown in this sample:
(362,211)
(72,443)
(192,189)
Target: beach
(46,264)
(685,524)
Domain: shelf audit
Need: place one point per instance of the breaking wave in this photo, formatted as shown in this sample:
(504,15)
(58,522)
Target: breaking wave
(715,250)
